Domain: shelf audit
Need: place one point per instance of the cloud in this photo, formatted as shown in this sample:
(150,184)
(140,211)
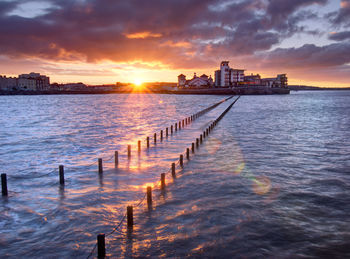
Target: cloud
(182,34)
(340,36)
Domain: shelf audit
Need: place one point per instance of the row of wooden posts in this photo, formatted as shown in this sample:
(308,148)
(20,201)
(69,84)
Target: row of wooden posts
(175,127)
(101,249)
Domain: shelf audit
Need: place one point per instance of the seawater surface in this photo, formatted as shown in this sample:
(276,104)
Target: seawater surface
(271,180)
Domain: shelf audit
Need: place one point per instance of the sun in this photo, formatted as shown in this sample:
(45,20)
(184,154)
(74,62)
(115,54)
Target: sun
(137,82)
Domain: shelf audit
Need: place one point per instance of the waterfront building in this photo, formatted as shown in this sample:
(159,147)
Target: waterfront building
(8,83)
(252,80)
(33,82)
(226,76)
(280,81)
(196,82)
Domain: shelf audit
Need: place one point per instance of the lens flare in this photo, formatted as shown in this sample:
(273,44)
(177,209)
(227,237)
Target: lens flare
(261,185)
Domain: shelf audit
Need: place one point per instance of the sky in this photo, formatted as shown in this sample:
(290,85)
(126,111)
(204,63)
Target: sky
(108,41)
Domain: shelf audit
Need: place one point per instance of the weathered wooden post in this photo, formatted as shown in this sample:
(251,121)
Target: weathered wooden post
(155,138)
(149,196)
(179,125)
(181,160)
(100,166)
(130,216)
(116,159)
(183,123)
(147,142)
(171,129)
(4,185)
(166,132)
(162,181)
(161,135)
(192,147)
(188,154)
(61,174)
(201,138)
(173,169)
(175,126)
(129,151)
(197,142)
(101,246)
(203,134)
(139,145)
(207,131)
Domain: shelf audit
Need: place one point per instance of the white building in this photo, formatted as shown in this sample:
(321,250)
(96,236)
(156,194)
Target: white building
(226,76)
(196,82)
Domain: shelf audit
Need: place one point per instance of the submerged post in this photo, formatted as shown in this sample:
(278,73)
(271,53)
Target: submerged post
(173,169)
(197,142)
(139,145)
(101,246)
(4,184)
(183,123)
(129,151)
(203,134)
(192,147)
(171,129)
(100,167)
(188,154)
(155,138)
(61,174)
(161,135)
(116,159)
(175,126)
(179,125)
(201,138)
(130,216)
(149,196)
(147,142)
(181,160)
(162,181)
(166,132)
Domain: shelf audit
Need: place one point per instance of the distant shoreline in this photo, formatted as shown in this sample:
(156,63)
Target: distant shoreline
(213,91)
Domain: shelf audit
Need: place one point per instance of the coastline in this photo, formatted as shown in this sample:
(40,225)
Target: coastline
(213,91)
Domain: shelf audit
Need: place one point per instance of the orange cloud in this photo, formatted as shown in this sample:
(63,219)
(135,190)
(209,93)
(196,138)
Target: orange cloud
(143,35)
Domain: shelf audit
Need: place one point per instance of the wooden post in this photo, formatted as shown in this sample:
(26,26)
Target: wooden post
(197,142)
(166,132)
(207,131)
(173,169)
(183,123)
(129,151)
(147,142)
(116,159)
(171,129)
(203,134)
(149,196)
(100,167)
(155,138)
(161,135)
(201,138)
(175,126)
(188,154)
(101,246)
(162,181)
(192,147)
(181,160)
(139,145)
(4,184)
(130,216)
(179,125)
(61,173)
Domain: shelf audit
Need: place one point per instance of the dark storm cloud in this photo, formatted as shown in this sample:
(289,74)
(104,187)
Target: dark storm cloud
(309,56)
(340,36)
(180,33)
(342,17)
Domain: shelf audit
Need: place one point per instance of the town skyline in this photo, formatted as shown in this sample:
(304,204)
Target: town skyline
(99,42)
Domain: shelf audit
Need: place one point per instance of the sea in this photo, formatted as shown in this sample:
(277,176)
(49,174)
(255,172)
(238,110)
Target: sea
(271,180)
